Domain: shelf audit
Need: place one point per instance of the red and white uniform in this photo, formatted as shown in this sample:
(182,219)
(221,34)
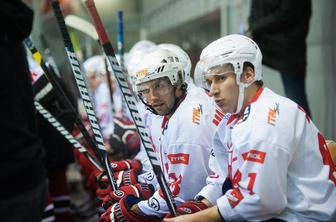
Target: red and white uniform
(183,145)
(278,163)
(103,109)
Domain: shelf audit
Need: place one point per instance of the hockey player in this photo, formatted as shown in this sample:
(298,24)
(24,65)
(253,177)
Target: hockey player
(182,139)
(271,151)
(95,69)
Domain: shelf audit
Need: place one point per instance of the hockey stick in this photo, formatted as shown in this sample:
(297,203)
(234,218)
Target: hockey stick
(87,28)
(81,84)
(51,76)
(109,82)
(121,50)
(131,103)
(120,38)
(67,135)
(49,58)
(81,25)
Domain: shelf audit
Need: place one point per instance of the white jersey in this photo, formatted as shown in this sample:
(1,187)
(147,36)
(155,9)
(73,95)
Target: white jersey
(103,109)
(278,163)
(183,145)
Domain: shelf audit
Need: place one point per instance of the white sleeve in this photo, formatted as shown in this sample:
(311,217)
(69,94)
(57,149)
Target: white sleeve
(182,161)
(103,110)
(147,176)
(259,185)
(214,188)
(117,101)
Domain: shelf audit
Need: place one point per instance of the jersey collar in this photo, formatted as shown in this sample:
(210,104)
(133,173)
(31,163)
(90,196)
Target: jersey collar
(240,114)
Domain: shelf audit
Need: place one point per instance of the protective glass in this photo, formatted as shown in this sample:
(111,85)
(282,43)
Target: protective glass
(159,87)
(215,68)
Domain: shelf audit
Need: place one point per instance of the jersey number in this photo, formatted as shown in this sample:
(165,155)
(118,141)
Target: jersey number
(252,177)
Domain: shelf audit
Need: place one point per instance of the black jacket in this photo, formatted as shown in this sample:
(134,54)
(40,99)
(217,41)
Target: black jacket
(280,28)
(21,152)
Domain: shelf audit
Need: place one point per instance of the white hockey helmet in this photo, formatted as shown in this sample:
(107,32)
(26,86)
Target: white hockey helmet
(95,65)
(136,54)
(232,49)
(157,64)
(140,45)
(183,56)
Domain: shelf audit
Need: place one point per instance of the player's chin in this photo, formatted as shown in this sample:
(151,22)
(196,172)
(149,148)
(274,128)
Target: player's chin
(160,110)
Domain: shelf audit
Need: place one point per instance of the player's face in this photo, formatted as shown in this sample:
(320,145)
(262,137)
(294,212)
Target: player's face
(223,88)
(92,81)
(160,94)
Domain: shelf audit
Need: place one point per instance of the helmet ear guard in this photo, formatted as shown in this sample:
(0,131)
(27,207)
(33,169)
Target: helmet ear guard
(183,58)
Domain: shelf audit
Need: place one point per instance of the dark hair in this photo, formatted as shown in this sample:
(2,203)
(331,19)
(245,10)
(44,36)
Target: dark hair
(248,64)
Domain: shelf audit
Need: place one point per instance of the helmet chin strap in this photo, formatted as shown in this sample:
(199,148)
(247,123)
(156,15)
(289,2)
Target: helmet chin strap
(240,102)
(178,99)
(241,87)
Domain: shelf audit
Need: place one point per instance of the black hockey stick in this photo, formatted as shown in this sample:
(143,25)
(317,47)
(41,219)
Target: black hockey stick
(81,84)
(67,135)
(51,76)
(131,103)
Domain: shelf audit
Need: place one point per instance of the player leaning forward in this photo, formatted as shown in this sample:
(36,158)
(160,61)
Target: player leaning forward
(182,138)
(272,152)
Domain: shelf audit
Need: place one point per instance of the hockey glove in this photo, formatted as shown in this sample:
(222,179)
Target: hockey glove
(123,178)
(126,165)
(142,191)
(121,211)
(189,207)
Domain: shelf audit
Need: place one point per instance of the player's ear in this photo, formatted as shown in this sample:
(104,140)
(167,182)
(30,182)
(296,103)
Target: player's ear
(248,75)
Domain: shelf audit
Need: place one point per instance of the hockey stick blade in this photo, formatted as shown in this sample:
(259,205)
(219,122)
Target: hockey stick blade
(82,25)
(66,134)
(81,84)
(131,103)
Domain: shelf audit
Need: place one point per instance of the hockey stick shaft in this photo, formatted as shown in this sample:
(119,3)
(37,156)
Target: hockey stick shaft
(49,57)
(67,135)
(81,84)
(60,92)
(131,103)
(120,38)
(109,82)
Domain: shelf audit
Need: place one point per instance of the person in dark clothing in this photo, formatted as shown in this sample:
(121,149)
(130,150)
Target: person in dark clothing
(280,28)
(23,181)
(59,154)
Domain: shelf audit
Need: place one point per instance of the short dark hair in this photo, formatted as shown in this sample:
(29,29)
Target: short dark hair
(259,83)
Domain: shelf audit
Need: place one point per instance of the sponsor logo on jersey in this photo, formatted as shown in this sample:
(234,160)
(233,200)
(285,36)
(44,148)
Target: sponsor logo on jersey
(179,158)
(272,114)
(154,203)
(254,156)
(234,197)
(196,116)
